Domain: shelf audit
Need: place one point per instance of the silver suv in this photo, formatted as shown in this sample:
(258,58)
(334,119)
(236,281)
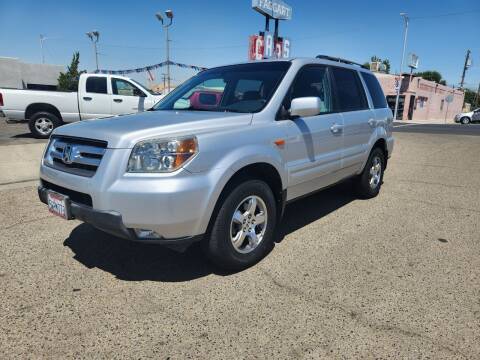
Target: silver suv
(219,157)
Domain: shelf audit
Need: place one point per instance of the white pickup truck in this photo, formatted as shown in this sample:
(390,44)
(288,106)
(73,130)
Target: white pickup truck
(98,96)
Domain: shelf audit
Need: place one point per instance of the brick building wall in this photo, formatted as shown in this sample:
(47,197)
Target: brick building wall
(421,99)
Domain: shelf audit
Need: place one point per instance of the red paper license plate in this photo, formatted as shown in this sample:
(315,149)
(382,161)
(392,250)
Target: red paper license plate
(58,204)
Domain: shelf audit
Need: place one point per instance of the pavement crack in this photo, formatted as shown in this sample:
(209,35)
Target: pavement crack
(24,222)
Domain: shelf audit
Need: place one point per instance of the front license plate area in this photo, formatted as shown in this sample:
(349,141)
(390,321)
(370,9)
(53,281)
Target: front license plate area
(58,204)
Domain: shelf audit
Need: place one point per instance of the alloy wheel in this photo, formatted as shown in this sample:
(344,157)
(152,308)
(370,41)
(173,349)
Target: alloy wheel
(248,224)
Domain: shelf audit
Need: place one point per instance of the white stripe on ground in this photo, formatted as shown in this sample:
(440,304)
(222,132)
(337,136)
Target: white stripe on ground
(395,126)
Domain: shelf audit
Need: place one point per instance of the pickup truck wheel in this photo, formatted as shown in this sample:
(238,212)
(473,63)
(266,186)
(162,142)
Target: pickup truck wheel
(41,124)
(465,120)
(368,183)
(243,231)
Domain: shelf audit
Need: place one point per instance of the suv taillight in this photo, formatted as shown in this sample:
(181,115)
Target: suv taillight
(1,99)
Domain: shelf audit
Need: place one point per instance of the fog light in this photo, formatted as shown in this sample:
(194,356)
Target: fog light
(146,234)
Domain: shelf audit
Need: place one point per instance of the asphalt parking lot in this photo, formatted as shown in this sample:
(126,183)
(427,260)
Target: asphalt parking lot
(393,277)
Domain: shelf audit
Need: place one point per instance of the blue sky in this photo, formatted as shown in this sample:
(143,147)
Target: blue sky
(214,32)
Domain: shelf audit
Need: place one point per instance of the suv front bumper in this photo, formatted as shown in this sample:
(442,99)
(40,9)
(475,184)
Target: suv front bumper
(111,222)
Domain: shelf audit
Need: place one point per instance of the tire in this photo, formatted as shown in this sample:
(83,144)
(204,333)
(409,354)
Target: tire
(369,182)
(222,248)
(465,120)
(41,124)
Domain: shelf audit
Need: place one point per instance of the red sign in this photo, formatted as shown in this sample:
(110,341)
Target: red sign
(261,47)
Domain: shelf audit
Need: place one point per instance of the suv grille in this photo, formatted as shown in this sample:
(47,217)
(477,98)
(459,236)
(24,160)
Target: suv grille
(75,155)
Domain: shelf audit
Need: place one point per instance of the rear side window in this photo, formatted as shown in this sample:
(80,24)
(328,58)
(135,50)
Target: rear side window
(349,90)
(96,84)
(375,90)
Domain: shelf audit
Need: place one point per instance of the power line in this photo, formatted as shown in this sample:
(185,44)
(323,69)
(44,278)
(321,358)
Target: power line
(445,15)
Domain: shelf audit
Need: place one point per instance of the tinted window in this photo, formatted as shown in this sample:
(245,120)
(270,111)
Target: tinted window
(313,81)
(97,85)
(350,94)
(375,90)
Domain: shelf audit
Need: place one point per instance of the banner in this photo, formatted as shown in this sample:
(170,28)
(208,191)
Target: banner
(150,68)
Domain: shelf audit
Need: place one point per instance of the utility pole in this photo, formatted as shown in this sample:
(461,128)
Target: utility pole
(465,67)
(405,33)
(93,36)
(42,39)
(169,14)
(164,84)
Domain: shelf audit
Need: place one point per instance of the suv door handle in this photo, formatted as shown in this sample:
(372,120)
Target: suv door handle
(118,100)
(372,122)
(87,98)
(336,128)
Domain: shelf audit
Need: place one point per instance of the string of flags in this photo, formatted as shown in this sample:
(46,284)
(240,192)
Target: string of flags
(150,68)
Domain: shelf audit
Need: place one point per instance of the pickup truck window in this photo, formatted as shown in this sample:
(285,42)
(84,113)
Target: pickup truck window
(244,88)
(350,93)
(96,84)
(125,88)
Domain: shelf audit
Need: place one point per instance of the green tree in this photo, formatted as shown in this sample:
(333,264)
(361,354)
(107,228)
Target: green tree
(68,81)
(431,75)
(470,98)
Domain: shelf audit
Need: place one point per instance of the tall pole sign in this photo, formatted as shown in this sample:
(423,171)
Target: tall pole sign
(266,45)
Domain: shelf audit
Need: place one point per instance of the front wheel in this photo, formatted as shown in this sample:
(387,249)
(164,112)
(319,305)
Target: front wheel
(243,231)
(465,120)
(368,183)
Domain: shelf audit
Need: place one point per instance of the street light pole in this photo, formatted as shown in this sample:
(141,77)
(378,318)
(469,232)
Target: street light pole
(169,14)
(93,36)
(42,39)
(405,33)
(168,58)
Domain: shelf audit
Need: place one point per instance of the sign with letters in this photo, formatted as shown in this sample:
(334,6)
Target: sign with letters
(275,9)
(263,46)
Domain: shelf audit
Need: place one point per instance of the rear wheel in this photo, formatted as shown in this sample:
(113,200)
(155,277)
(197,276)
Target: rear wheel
(243,230)
(41,124)
(369,182)
(465,120)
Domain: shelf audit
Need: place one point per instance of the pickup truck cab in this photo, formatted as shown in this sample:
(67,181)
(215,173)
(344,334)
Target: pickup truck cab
(98,96)
(219,157)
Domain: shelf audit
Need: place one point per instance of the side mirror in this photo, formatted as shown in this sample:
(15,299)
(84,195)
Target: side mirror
(305,106)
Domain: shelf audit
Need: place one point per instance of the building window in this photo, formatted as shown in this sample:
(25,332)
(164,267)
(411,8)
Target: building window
(441,105)
(421,101)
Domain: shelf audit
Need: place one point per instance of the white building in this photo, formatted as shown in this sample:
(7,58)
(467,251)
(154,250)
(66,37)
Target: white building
(15,74)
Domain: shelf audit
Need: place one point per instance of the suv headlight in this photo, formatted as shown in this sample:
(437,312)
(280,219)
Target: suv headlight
(157,155)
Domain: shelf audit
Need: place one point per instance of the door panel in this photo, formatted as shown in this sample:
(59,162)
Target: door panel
(359,120)
(314,151)
(95,101)
(125,98)
(314,144)
(359,127)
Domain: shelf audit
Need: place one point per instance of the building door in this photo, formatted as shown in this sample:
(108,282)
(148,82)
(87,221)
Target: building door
(411,107)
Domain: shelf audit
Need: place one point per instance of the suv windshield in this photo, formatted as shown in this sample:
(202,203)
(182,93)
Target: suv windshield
(244,88)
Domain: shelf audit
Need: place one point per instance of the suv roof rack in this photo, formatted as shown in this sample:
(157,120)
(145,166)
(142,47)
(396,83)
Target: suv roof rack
(337,59)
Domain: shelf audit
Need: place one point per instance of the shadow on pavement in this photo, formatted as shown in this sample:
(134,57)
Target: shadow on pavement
(23,136)
(136,261)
